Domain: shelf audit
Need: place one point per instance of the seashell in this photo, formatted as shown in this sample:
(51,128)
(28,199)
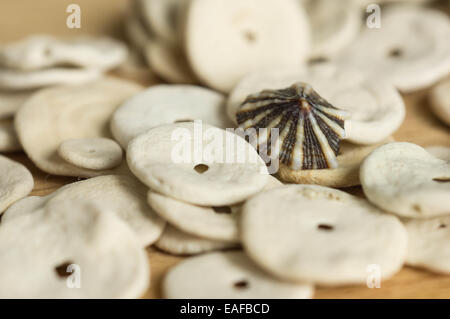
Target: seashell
(310,129)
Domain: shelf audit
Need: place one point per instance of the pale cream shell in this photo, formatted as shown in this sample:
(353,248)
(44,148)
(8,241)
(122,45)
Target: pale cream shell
(309,233)
(112,262)
(406,180)
(54,115)
(217,275)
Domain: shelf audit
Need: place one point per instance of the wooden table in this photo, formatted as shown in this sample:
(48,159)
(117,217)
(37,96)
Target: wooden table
(420,127)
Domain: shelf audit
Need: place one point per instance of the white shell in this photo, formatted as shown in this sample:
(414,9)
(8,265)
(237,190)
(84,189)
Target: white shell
(229,275)
(346,174)
(8,137)
(376,108)
(91,153)
(440,152)
(176,242)
(218,224)
(11,101)
(169,62)
(334,25)
(161,159)
(123,196)
(136,32)
(54,115)
(166,104)
(406,180)
(321,235)
(16,182)
(411,49)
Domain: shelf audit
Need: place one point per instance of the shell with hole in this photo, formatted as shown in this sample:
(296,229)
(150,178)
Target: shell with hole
(16,182)
(309,129)
(197,163)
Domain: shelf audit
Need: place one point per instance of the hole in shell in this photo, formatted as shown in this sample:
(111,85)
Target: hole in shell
(184,121)
(222,210)
(61,270)
(242,284)
(47,52)
(442,179)
(325,227)
(317,60)
(417,208)
(442,226)
(250,36)
(201,168)
(395,53)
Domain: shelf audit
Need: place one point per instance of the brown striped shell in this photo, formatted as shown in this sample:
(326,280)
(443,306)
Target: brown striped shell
(310,129)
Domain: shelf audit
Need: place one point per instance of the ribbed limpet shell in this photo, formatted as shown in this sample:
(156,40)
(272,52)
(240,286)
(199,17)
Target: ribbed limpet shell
(310,128)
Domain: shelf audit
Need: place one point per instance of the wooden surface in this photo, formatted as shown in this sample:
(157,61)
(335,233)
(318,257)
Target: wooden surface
(22,17)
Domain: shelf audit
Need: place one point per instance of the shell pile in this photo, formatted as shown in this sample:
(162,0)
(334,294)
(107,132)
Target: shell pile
(310,129)
(322,190)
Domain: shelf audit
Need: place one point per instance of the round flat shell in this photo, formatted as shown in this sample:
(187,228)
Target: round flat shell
(28,80)
(226,39)
(429,244)
(440,152)
(8,137)
(222,169)
(406,180)
(91,153)
(217,223)
(78,252)
(376,108)
(346,174)
(54,115)
(229,275)
(165,104)
(16,182)
(410,50)
(317,234)
(168,62)
(135,30)
(41,51)
(440,101)
(24,206)
(334,25)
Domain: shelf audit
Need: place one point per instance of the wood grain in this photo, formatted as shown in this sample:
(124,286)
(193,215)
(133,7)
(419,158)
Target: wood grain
(19,18)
